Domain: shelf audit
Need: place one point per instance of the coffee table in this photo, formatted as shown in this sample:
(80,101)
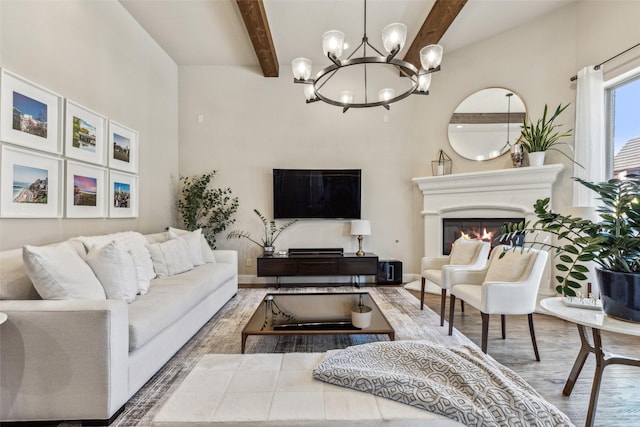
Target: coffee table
(314,314)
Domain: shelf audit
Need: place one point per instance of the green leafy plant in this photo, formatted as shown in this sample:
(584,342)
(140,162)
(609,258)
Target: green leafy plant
(271,231)
(543,135)
(613,242)
(208,208)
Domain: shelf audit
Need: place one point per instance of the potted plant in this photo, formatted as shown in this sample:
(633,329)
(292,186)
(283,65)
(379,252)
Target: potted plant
(613,243)
(271,233)
(543,136)
(210,209)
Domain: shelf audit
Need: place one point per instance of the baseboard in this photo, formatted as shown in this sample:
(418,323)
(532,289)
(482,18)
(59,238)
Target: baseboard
(54,423)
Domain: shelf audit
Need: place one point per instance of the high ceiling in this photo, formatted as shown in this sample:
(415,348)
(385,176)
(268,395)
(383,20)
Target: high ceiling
(212,32)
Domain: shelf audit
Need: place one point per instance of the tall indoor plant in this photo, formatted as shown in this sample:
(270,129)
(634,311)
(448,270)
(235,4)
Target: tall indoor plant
(543,135)
(613,243)
(210,209)
(271,233)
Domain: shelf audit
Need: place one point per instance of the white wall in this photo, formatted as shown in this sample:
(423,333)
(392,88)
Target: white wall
(254,124)
(95,53)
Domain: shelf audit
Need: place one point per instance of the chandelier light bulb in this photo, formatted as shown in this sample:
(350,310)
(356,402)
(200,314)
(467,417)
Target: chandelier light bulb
(309,92)
(301,68)
(333,43)
(431,56)
(394,35)
(346,97)
(386,94)
(424,81)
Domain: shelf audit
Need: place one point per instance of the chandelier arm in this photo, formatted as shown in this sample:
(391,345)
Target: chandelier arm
(356,49)
(373,47)
(325,81)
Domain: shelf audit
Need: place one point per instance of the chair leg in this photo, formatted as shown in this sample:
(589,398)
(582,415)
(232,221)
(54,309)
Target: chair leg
(533,337)
(422,295)
(462,306)
(443,302)
(452,304)
(485,331)
(502,323)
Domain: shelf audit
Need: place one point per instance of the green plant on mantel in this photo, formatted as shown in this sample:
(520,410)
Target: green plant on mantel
(271,231)
(210,209)
(613,242)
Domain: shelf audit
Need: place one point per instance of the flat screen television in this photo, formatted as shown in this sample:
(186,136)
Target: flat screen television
(316,193)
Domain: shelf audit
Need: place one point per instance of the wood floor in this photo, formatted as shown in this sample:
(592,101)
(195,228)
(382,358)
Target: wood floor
(558,343)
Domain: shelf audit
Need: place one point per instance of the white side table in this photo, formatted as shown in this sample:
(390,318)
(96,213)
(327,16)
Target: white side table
(597,321)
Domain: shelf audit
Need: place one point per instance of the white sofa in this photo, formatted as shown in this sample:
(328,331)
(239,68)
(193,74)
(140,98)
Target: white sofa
(83,359)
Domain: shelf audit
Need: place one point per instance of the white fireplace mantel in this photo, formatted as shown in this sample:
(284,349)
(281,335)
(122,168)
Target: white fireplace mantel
(500,193)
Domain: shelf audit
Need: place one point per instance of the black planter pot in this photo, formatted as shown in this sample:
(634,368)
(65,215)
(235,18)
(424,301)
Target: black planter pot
(620,294)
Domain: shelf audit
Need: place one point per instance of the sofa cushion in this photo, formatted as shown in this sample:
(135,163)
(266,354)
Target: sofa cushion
(116,271)
(193,243)
(207,253)
(58,272)
(14,282)
(170,257)
(464,251)
(512,267)
(170,297)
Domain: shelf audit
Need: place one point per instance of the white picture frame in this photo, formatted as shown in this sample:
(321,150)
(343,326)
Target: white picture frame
(86,190)
(30,115)
(27,178)
(123,195)
(85,134)
(123,148)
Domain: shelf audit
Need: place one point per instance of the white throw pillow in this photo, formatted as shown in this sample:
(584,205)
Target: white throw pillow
(170,257)
(464,251)
(129,241)
(207,253)
(192,239)
(58,272)
(116,270)
(510,268)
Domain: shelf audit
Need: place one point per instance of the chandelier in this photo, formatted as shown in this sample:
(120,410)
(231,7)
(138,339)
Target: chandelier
(393,39)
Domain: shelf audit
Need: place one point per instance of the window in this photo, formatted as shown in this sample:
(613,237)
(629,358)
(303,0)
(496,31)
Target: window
(623,125)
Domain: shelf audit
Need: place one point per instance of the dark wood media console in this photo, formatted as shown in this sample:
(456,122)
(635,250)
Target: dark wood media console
(348,264)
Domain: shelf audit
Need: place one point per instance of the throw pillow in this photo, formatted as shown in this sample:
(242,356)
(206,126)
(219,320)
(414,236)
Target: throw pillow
(192,239)
(170,257)
(207,253)
(464,251)
(129,241)
(510,268)
(58,273)
(116,270)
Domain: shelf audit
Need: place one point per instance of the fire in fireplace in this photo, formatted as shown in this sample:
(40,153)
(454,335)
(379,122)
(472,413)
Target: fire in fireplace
(472,228)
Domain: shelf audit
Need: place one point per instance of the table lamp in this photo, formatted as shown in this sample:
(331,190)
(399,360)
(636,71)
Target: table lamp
(360,227)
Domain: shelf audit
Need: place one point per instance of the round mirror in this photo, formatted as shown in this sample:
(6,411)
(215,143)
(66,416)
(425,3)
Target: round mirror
(486,123)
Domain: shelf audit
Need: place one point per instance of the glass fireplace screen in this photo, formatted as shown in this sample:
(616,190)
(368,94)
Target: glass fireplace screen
(473,228)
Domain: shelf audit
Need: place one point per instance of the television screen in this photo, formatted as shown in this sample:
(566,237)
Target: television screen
(311,193)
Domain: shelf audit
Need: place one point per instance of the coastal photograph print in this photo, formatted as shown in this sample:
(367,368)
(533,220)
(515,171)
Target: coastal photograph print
(85,134)
(86,191)
(30,184)
(123,195)
(30,115)
(123,148)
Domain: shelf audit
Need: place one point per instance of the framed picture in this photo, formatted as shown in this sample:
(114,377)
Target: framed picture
(85,134)
(123,195)
(30,184)
(30,115)
(86,191)
(123,148)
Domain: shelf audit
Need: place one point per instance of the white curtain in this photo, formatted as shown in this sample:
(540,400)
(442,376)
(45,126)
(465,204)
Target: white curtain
(590,143)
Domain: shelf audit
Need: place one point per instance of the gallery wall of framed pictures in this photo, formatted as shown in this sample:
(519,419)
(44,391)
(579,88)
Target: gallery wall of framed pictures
(62,159)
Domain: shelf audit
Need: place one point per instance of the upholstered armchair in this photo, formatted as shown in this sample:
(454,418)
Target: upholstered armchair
(507,286)
(465,255)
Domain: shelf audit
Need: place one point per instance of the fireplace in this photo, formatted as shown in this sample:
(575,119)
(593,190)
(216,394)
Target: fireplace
(487,229)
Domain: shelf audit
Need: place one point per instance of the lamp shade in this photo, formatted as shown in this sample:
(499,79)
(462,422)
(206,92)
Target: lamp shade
(431,56)
(394,36)
(424,82)
(386,94)
(333,43)
(360,227)
(309,92)
(301,68)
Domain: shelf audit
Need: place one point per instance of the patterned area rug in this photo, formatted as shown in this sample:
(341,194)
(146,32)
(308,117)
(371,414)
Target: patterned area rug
(222,334)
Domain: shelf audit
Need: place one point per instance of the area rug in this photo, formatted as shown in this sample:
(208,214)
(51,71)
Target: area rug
(222,335)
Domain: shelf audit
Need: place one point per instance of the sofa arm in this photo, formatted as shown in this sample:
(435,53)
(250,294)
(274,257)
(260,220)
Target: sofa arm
(226,256)
(63,360)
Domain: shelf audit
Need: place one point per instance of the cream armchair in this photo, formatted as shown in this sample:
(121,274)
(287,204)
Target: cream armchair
(507,286)
(465,255)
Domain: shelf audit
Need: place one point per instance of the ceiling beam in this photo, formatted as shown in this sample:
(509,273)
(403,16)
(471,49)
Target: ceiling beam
(255,20)
(486,118)
(438,21)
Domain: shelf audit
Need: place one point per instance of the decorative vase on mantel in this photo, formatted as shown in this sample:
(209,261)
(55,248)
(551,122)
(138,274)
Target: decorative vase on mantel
(536,158)
(517,155)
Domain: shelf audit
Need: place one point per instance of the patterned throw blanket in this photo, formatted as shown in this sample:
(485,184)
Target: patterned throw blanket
(460,383)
